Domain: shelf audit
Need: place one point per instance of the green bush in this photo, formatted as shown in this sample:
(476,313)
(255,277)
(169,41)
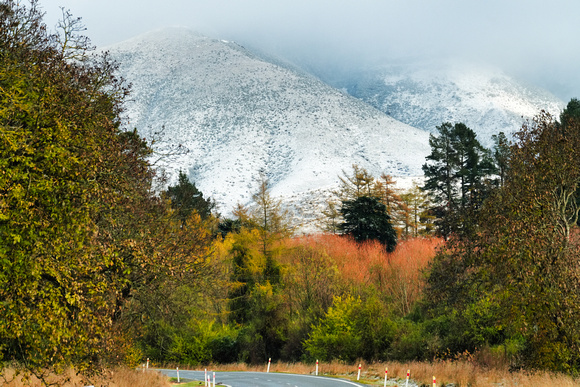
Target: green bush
(352,329)
(336,336)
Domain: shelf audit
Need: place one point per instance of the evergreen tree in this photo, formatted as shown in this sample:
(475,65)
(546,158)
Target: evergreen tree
(501,154)
(456,175)
(366,218)
(186,198)
(570,113)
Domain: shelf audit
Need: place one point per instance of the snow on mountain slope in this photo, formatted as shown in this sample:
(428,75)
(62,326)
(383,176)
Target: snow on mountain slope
(424,95)
(238,115)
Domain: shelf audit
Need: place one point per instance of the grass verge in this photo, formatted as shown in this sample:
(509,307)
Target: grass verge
(119,377)
(456,373)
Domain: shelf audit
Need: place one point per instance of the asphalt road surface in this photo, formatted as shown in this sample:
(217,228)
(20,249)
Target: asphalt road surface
(263,379)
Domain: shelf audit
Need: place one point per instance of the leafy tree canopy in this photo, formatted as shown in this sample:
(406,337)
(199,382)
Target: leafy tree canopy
(82,234)
(515,278)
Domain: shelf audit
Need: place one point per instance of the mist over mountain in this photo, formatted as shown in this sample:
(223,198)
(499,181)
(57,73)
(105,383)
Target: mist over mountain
(425,94)
(236,115)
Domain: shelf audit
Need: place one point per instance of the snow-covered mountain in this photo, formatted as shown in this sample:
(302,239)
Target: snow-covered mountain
(426,94)
(237,115)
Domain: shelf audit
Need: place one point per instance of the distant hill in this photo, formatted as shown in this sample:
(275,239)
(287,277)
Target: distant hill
(237,115)
(424,95)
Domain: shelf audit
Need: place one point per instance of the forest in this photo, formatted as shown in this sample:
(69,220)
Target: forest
(102,263)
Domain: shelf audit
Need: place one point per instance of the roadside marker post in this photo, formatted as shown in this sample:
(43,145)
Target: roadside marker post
(434,382)
(177,374)
(408,374)
(147,363)
(269,361)
(214,379)
(386,375)
(316,367)
(205,379)
(358,376)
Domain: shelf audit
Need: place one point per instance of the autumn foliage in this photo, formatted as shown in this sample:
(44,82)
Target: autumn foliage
(360,265)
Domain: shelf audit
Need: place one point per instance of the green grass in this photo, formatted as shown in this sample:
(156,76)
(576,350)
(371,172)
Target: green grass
(185,382)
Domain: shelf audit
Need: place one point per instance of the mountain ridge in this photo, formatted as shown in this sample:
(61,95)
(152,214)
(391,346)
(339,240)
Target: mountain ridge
(426,94)
(239,115)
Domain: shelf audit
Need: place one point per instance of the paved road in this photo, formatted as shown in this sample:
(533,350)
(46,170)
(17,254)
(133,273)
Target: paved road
(263,379)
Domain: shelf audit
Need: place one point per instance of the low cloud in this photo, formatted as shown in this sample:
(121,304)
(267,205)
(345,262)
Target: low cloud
(531,39)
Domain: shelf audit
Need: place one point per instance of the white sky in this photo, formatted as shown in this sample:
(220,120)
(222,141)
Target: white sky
(538,40)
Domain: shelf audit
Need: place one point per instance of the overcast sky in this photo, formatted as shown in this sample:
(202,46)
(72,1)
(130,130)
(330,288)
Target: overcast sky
(537,40)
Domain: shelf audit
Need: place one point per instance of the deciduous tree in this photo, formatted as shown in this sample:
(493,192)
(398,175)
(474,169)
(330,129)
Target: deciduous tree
(518,271)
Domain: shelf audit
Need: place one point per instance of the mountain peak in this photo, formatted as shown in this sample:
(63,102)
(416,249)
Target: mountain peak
(238,115)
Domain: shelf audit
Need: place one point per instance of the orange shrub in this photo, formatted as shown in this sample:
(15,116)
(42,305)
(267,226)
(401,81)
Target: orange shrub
(362,265)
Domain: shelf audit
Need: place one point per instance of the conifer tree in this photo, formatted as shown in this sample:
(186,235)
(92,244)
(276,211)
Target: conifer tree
(186,198)
(366,218)
(416,211)
(360,183)
(456,176)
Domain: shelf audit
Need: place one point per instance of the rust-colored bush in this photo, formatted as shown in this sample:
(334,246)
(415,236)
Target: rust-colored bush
(361,265)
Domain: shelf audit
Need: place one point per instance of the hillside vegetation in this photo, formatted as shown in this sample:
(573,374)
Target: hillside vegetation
(102,264)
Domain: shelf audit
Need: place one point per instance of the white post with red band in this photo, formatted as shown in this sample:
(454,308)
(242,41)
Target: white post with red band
(358,376)
(269,361)
(408,374)
(386,375)
(434,382)
(316,367)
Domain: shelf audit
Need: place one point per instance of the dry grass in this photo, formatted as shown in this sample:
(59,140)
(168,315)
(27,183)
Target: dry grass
(460,373)
(121,377)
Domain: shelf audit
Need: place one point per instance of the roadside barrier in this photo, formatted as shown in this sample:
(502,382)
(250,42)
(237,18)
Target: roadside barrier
(386,375)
